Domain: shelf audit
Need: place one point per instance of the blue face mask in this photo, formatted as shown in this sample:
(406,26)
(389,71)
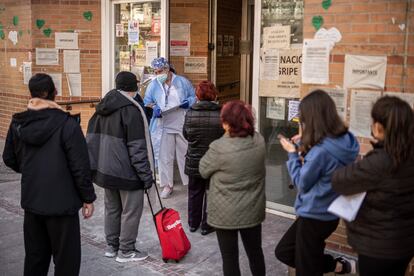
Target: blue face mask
(162,78)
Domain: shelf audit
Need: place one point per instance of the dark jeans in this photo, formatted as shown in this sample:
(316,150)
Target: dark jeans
(302,247)
(229,248)
(45,236)
(197,202)
(382,267)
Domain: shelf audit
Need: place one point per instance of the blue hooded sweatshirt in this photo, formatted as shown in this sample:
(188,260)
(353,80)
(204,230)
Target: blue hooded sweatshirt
(313,178)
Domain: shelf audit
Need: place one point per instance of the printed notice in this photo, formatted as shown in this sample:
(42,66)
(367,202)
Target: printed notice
(133,32)
(140,57)
(66,40)
(57,80)
(275,108)
(195,65)
(269,64)
(151,48)
(315,66)
(119,30)
(46,56)
(408,97)
(27,72)
(71,61)
(74,84)
(361,105)
(293,114)
(289,80)
(180,39)
(340,97)
(365,71)
(276,37)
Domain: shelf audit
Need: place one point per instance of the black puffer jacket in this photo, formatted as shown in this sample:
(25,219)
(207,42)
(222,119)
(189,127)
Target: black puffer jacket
(202,126)
(384,226)
(117,144)
(48,148)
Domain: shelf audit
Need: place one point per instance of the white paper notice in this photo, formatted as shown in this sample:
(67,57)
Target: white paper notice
(133,32)
(119,30)
(46,56)
(408,97)
(340,97)
(74,84)
(57,80)
(179,39)
(293,113)
(269,64)
(27,72)
(195,65)
(276,37)
(66,40)
(361,105)
(152,51)
(333,35)
(275,108)
(315,65)
(13,62)
(365,71)
(71,61)
(347,207)
(13,37)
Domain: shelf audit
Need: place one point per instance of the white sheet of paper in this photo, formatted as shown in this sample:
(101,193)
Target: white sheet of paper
(74,84)
(133,32)
(71,61)
(315,63)
(119,30)
(365,71)
(13,62)
(170,109)
(47,56)
(275,108)
(27,72)
(66,41)
(277,37)
(57,80)
(269,64)
(13,37)
(152,51)
(408,97)
(340,97)
(195,65)
(293,110)
(361,105)
(347,207)
(180,39)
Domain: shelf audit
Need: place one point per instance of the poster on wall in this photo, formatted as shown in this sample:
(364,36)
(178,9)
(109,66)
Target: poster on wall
(289,79)
(71,61)
(275,108)
(151,48)
(408,97)
(219,50)
(315,65)
(27,72)
(277,37)
(133,32)
(361,105)
(293,112)
(156,26)
(269,64)
(47,56)
(124,61)
(195,65)
(180,39)
(66,40)
(365,71)
(340,97)
(74,84)
(140,57)
(57,80)
(119,30)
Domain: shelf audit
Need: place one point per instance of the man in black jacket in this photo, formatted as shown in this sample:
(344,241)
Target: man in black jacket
(46,145)
(122,163)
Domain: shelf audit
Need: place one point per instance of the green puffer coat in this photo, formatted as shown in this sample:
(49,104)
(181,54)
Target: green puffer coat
(236,168)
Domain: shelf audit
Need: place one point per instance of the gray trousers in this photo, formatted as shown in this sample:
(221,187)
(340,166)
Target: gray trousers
(123,211)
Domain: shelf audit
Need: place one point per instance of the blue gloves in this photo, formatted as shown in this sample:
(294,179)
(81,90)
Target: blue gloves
(157,111)
(185,104)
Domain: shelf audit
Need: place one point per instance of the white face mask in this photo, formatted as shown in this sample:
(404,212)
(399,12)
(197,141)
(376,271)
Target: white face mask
(162,78)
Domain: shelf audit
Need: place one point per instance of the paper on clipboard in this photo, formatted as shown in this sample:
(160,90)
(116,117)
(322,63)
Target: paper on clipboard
(169,110)
(347,207)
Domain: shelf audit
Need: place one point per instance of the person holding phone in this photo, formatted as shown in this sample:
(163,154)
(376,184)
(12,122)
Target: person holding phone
(325,144)
(383,232)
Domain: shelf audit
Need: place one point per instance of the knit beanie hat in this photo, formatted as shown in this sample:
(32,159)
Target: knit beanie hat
(126,81)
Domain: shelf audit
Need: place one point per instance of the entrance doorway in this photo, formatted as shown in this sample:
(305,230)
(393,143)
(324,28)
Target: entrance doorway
(231,32)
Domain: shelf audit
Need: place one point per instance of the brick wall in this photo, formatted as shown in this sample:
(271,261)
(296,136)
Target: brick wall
(367,29)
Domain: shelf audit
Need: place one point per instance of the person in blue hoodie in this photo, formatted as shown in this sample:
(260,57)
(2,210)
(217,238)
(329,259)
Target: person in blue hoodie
(325,144)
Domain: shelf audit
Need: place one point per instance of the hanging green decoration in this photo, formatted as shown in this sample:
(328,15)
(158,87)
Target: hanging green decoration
(326,4)
(20,33)
(15,20)
(47,32)
(317,22)
(2,35)
(87,15)
(40,23)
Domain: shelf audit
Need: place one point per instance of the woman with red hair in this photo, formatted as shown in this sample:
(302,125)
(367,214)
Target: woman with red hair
(202,126)
(235,164)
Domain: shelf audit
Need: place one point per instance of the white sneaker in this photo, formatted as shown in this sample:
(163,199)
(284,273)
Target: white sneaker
(131,256)
(166,192)
(111,252)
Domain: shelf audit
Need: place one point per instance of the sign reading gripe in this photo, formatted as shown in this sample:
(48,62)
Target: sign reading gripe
(290,72)
(365,71)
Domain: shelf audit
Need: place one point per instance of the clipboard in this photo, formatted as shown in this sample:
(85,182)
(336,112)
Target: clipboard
(169,110)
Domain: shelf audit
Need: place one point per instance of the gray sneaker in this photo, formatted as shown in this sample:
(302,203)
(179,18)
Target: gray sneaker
(111,251)
(131,256)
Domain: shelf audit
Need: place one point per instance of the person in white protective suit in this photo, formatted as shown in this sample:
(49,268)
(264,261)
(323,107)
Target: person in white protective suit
(170,96)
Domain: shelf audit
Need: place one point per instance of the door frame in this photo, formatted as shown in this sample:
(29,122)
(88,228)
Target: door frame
(108,37)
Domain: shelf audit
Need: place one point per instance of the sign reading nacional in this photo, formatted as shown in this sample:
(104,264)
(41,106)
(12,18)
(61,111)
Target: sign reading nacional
(365,71)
